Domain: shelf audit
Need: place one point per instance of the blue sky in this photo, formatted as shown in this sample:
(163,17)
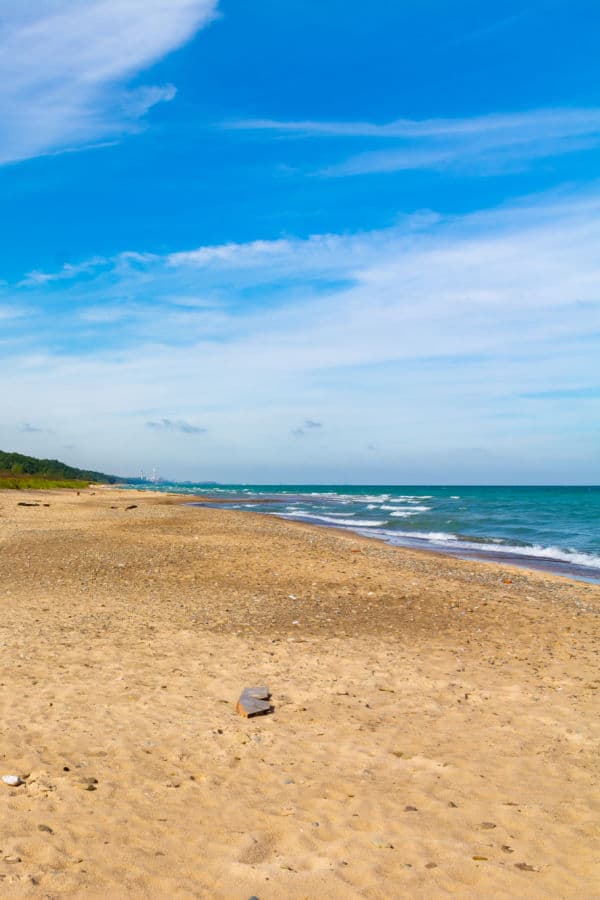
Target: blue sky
(303,241)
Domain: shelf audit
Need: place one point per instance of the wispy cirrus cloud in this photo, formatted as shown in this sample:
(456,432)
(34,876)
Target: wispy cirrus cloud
(478,145)
(74,89)
(68,271)
(319,255)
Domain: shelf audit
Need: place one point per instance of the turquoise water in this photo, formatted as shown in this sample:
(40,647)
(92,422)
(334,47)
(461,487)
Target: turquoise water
(553,528)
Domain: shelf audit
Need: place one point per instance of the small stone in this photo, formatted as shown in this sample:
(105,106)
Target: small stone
(452,805)
(87,784)
(12,859)
(12,780)
(45,828)
(525,867)
(410,809)
(507,848)
(487,826)
(480,858)
(431,866)
(254,702)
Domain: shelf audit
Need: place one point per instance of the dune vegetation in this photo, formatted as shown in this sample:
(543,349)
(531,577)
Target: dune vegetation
(20,472)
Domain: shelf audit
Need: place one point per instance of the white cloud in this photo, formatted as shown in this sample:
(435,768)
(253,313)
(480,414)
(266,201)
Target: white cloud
(479,144)
(67,272)
(231,254)
(318,254)
(11,312)
(64,68)
(416,339)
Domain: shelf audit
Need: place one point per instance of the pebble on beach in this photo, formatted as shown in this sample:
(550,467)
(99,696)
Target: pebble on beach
(12,780)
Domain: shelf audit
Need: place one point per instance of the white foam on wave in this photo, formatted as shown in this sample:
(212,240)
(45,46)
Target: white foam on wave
(496,546)
(576,557)
(362,523)
(439,536)
(412,510)
(357,498)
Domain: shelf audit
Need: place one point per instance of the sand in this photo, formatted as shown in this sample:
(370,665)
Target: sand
(435,728)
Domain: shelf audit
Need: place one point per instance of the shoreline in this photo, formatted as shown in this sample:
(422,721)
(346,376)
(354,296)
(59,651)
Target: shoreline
(559,568)
(130,625)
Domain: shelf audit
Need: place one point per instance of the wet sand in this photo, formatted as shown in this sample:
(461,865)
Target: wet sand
(435,730)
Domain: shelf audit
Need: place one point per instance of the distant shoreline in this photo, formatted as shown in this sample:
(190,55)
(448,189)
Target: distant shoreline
(470,547)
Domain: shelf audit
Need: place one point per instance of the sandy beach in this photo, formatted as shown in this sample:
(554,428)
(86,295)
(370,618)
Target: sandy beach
(435,728)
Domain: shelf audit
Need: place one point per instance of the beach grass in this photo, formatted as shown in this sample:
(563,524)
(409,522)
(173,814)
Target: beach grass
(11,481)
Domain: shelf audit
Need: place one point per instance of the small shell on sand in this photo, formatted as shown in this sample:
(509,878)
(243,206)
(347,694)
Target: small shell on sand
(12,780)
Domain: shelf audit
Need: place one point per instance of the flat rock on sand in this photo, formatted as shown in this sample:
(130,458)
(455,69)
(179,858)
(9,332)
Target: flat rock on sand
(436,729)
